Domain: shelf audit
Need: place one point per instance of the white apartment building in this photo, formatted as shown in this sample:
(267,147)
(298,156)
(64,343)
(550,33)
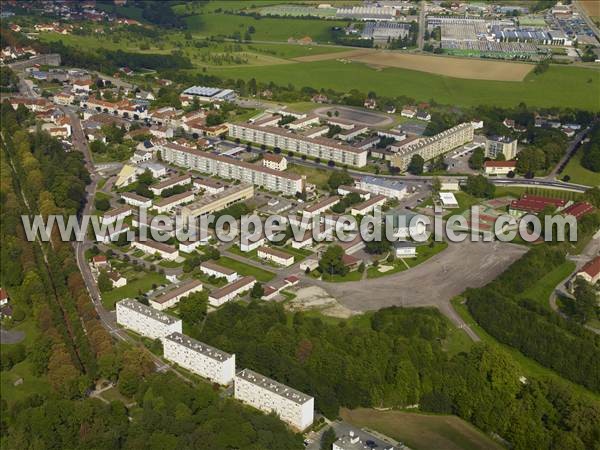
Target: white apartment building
(368,206)
(133,199)
(321,207)
(111,235)
(305,240)
(116,214)
(381,186)
(208,204)
(232,169)
(171,297)
(277,256)
(152,247)
(214,270)
(145,320)
(433,146)
(326,149)
(200,358)
(209,186)
(501,145)
(167,204)
(220,296)
(179,180)
(267,395)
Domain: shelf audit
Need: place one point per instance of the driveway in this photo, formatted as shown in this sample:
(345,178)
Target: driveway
(11,336)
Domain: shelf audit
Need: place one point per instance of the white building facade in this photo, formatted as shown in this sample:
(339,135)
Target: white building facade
(145,320)
(267,395)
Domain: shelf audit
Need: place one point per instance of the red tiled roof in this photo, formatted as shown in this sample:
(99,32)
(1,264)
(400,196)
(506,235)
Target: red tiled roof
(578,209)
(535,203)
(592,268)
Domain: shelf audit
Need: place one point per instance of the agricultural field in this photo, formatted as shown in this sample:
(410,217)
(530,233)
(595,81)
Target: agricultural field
(534,90)
(422,431)
(475,69)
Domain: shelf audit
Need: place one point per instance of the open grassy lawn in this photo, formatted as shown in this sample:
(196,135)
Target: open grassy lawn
(536,90)
(143,283)
(315,176)
(580,174)
(267,28)
(528,366)
(298,253)
(31,384)
(542,289)
(355,275)
(261,275)
(422,431)
(424,252)
(465,201)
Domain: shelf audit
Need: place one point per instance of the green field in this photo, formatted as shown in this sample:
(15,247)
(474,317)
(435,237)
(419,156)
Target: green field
(267,29)
(536,90)
(422,431)
(580,174)
(261,275)
(30,385)
(319,177)
(133,288)
(543,288)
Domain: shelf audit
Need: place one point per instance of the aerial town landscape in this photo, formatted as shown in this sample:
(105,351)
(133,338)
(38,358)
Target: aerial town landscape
(275,224)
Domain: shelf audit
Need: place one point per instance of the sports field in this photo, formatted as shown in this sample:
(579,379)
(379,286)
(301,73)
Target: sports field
(422,431)
(475,69)
(559,86)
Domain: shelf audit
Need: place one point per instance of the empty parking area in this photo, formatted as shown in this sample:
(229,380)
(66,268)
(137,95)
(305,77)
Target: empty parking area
(356,115)
(433,283)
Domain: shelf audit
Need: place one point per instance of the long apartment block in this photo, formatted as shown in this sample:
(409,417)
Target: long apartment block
(145,320)
(319,147)
(230,168)
(200,358)
(433,146)
(267,395)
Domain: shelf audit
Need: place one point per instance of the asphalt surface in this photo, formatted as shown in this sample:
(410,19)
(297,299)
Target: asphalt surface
(433,283)
(11,336)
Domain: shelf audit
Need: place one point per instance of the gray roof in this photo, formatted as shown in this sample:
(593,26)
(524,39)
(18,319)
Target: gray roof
(199,347)
(148,311)
(274,386)
(389,184)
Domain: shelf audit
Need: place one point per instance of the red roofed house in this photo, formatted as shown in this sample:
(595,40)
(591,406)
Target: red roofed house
(275,162)
(533,204)
(5,308)
(578,209)
(100,262)
(590,272)
(3,297)
(499,167)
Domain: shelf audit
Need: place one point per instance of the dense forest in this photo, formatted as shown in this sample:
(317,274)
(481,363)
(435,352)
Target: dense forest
(539,333)
(71,350)
(396,359)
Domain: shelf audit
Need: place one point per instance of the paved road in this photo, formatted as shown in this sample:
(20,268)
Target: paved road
(422,25)
(11,336)
(571,149)
(433,283)
(583,14)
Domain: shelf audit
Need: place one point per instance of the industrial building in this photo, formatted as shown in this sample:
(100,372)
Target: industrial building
(207,94)
(381,186)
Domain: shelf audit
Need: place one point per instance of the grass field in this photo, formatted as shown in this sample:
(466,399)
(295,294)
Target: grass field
(422,431)
(542,289)
(132,288)
(267,29)
(315,176)
(535,90)
(31,384)
(261,275)
(580,174)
